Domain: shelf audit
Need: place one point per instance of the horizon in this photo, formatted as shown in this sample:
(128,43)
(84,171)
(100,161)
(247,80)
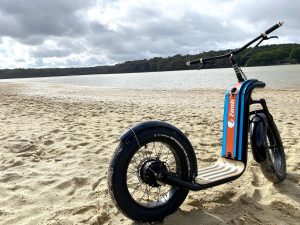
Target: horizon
(112,65)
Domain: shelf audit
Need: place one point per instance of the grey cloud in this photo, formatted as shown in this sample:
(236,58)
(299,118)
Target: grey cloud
(20,60)
(268,12)
(30,21)
(142,32)
(64,47)
(48,53)
(156,36)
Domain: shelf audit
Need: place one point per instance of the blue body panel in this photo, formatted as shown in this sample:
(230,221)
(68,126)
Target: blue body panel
(241,124)
(239,120)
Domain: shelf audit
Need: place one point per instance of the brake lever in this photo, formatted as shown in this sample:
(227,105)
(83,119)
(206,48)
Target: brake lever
(202,65)
(267,38)
(263,39)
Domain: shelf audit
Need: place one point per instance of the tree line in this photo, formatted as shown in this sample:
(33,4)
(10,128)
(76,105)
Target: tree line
(260,56)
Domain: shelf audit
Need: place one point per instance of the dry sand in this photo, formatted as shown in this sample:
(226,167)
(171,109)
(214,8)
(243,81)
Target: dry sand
(55,150)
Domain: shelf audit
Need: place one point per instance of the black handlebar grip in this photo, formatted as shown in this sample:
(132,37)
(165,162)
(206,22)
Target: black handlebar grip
(273,28)
(194,62)
(260,84)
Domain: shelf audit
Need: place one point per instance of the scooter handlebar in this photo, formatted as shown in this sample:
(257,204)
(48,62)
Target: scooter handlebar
(197,61)
(261,36)
(276,26)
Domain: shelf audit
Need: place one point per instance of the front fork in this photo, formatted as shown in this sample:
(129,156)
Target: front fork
(264,109)
(259,124)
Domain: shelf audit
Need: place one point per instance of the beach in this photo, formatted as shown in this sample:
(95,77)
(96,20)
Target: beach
(55,148)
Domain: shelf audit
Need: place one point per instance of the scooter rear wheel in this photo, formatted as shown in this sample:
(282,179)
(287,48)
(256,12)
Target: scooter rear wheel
(131,176)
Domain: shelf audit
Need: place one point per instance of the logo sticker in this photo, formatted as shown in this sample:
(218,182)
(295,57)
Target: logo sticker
(231,123)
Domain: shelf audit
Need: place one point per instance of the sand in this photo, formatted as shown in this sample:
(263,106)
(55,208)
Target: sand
(56,144)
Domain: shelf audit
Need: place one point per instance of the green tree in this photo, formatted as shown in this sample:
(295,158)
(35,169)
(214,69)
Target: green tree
(295,55)
(263,55)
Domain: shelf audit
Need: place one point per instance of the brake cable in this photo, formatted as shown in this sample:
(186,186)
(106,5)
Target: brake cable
(263,39)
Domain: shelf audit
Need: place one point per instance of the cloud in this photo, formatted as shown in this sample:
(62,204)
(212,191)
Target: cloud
(65,33)
(58,47)
(32,21)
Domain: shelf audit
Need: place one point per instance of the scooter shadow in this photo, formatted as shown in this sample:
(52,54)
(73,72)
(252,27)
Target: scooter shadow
(246,209)
(193,217)
(290,187)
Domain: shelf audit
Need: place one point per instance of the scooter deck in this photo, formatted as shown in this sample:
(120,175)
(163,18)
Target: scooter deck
(221,170)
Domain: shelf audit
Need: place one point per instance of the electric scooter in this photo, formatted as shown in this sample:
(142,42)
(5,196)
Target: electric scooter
(154,166)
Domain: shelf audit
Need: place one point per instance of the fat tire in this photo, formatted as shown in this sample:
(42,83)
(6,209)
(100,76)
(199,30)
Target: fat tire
(117,185)
(268,168)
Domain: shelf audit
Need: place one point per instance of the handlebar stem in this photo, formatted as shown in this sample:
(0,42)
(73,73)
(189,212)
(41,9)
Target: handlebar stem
(237,69)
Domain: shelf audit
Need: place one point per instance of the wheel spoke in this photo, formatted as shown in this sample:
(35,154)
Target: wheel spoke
(145,193)
(167,157)
(132,170)
(158,193)
(141,191)
(157,155)
(139,184)
(161,149)
(148,193)
(135,162)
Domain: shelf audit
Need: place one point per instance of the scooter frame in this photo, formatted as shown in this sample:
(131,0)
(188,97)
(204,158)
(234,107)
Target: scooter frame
(234,147)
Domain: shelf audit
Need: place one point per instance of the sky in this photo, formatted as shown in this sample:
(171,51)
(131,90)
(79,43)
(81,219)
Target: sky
(78,33)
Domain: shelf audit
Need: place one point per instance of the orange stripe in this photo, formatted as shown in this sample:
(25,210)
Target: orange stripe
(231,121)
(230,125)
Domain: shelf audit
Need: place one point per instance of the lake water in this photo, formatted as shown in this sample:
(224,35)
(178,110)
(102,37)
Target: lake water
(282,77)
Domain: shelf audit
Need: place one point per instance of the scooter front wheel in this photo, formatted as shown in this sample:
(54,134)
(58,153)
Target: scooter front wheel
(274,167)
(267,148)
(132,175)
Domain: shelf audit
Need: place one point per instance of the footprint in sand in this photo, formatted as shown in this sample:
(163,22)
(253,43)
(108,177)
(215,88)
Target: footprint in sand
(14,164)
(285,207)
(55,131)
(223,198)
(83,144)
(83,209)
(9,177)
(96,184)
(257,195)
(48,142)
(259,180)
(99,220)
(72,184)
(22,147)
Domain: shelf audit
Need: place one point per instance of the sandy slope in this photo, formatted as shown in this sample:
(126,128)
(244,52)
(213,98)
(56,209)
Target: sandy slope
(54,154)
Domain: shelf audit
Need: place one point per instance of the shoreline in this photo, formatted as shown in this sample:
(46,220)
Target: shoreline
(65,91)
(54,71)
(285,77)
(55,151)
